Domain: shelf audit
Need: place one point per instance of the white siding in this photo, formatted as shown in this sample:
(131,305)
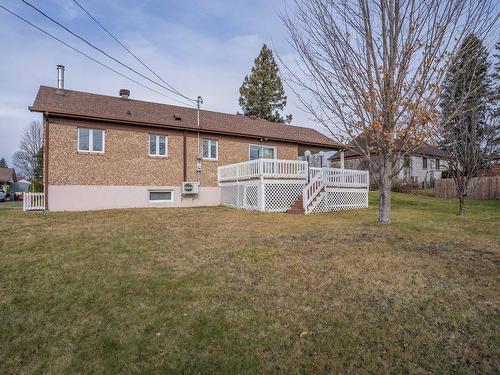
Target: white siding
(415,172)
(418,173)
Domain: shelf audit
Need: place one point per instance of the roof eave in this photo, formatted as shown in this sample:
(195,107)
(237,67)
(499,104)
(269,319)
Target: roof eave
(131,122)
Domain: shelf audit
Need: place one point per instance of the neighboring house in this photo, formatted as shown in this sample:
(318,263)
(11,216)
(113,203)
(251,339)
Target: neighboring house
(8,180)
(114,152)
(424,165)
(22,185)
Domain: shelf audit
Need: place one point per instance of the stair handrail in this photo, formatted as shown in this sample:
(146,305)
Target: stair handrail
(312,189)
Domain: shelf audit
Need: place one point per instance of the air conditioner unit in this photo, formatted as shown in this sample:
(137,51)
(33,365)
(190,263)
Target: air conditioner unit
(190,188)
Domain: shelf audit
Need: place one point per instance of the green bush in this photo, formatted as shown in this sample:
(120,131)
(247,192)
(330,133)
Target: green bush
(36,186)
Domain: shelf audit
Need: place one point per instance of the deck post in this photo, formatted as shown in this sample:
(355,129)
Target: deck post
(262,186)
(342,166)
(262,195)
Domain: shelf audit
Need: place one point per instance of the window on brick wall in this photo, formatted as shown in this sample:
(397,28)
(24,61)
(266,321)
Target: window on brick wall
(158,145)
(259,151)
(210,149)
(90,140)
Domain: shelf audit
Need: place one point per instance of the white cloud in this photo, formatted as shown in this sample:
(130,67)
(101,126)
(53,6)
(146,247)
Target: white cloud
(192,52)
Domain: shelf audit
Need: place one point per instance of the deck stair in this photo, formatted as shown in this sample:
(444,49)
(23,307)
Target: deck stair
(291,186)
(297,207)
(319,197)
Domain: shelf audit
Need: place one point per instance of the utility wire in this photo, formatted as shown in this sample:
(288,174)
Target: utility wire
(88,56)
(127,49)
(103,52)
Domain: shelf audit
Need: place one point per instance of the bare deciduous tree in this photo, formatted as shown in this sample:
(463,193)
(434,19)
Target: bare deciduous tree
(374,68)
(26,158)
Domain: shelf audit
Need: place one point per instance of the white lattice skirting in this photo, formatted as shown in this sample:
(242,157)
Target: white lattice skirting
(336,199)
(279,196)
(269,195)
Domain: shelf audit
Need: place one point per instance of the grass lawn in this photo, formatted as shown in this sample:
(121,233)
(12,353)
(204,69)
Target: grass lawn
(215,290)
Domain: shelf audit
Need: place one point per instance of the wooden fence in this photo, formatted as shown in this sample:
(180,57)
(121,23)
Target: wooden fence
(479,188)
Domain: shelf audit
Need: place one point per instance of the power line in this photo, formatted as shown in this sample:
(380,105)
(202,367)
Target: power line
(125,47)
(88,56)
(103,52)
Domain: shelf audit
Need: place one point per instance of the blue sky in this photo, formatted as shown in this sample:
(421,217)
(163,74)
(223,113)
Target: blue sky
(200,47)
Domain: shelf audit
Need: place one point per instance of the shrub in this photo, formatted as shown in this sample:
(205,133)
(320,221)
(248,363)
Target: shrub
(36,186)
(400,186)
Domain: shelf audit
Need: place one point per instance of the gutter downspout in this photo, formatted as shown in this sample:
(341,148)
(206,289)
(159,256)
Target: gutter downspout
(199,101)
(184,157)
(46,159)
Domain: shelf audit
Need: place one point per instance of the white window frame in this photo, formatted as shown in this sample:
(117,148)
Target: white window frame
(209,148)
(275,153)
(157,136)
(91,141)
(163,201)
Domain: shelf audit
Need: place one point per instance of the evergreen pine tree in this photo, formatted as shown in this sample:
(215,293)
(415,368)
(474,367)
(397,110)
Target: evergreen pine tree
(466,101)
(3,163)
(496,82)
(495,112)
(262,94)
(38,172)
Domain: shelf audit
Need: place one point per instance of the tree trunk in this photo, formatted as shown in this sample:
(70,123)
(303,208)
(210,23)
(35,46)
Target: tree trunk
(461,205)
(384,207)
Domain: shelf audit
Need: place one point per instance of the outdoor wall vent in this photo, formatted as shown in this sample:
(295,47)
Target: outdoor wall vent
(124,94)
(60,77)
(177,117)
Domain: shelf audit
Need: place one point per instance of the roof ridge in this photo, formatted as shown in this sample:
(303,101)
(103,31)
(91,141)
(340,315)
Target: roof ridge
(263,121)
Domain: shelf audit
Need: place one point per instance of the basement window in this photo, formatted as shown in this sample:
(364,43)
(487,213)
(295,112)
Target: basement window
(90,140)
(161,196)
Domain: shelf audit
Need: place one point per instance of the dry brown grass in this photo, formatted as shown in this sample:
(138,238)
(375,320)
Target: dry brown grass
(214,290)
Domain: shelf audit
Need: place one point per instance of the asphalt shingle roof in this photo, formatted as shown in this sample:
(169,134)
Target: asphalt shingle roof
(95,106)
(6,174)
(425,149)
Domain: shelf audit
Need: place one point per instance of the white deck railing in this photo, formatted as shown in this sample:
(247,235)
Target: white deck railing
(276,185)
(312,189)
(345,177)
(33,201)
(266,168)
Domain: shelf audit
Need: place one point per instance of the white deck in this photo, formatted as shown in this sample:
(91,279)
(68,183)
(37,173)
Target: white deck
(275,185)
(263,168)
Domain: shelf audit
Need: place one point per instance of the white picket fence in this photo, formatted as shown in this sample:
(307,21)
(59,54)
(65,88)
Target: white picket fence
(33,201)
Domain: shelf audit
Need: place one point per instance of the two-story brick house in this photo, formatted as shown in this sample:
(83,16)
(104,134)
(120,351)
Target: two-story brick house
(114,152)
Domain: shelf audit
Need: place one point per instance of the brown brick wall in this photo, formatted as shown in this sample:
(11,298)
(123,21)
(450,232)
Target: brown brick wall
(126,160)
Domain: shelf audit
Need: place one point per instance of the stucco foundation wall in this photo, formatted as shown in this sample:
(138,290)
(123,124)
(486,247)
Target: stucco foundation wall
(88,197)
